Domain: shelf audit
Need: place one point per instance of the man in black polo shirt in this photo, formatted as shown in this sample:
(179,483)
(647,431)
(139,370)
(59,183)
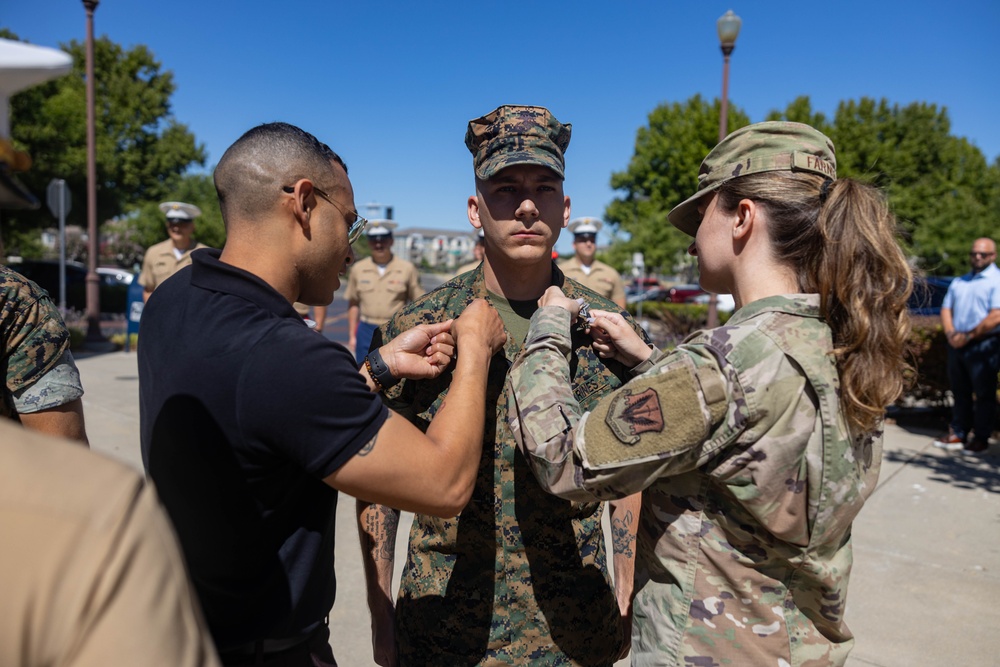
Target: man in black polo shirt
(247,444)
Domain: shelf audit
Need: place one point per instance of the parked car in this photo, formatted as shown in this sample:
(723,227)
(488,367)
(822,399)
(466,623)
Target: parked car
(685,293)
(928,294)
(113,285)
(651,294)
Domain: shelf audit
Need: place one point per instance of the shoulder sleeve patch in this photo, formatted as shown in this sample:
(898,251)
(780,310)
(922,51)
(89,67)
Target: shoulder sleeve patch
(655,416)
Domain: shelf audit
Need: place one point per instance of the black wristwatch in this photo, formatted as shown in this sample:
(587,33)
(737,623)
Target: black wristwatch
(379,370)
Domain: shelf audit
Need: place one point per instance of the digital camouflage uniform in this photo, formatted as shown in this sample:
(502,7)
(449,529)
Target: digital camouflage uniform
(520,576)
(751,482)
(33,335)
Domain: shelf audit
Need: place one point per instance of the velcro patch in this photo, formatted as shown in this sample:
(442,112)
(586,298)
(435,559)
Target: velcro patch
(652,416)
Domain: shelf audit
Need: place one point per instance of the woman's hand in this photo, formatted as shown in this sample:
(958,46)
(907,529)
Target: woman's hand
(614,338)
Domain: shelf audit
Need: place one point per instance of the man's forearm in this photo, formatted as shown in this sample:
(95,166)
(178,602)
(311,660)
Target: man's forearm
(377,526)
(624,525)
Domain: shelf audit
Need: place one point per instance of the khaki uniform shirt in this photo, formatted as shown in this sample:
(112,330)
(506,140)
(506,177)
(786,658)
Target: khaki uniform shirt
(602,279)
(379,297)
(33,340)
(160,263)
(90,569)
(520,577)
(750,482)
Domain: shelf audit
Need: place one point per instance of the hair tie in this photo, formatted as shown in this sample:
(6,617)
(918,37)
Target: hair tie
(824,190)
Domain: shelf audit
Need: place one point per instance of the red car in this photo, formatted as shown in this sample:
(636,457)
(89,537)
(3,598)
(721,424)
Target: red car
(685,293)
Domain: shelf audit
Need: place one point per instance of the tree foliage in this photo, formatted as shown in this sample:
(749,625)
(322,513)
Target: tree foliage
(941,187)
(141,150)
(662,173)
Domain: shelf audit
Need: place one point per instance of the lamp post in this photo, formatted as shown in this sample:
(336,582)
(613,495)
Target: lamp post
(728,26)
(93,293)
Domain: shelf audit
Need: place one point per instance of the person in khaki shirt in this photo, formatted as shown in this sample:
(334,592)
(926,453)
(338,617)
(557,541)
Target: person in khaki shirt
(377,287)
(90,569)
(587,271)
(478,251)
(167,257)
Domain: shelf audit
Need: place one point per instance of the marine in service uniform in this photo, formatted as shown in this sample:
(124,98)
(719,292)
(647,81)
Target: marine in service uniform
(377,287)
(754,444)
(167,257)
(586,270)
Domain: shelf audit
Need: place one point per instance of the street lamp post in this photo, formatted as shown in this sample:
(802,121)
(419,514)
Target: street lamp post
(93,293)
(728,26)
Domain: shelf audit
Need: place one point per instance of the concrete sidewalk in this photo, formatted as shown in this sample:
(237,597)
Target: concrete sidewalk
(926,583)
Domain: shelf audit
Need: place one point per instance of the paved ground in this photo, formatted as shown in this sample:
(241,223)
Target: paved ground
(926,583)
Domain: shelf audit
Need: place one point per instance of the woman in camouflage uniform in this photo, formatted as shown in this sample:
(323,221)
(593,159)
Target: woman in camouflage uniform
(756,443)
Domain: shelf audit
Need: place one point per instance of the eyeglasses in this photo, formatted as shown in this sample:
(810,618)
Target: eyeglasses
(976,255)
(354,229)
(585,238)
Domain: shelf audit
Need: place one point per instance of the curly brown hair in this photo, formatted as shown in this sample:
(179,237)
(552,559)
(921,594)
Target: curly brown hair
(842,240)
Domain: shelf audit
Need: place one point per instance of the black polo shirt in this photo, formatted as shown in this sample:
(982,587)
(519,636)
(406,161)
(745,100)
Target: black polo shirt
(244,410)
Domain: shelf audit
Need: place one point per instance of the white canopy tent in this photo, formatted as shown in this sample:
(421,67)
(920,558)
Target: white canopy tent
(22,66)
(25,65)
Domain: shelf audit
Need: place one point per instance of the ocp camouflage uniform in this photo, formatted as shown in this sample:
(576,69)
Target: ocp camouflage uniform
(751,482)
(35,341)
(520,576)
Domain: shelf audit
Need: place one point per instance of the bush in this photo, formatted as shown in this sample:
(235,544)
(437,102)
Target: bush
(677,320)
(927,352)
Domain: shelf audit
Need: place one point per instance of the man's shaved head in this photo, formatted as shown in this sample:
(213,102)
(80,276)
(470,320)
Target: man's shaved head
(253,170)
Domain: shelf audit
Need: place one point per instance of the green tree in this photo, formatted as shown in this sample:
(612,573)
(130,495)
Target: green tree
(662,173)
(141,150)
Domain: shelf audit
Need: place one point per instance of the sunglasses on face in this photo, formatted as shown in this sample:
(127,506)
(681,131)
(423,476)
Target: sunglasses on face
(585,238)
(354,229)
(977,255)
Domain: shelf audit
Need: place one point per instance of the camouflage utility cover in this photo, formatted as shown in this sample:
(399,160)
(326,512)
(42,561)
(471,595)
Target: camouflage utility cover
(751,482)
(519,577)
(515,134)
(32,332)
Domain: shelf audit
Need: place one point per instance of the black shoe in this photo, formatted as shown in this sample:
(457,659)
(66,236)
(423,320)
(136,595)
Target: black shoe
(976,446)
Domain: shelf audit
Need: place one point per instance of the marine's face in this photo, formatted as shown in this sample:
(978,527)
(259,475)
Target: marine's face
(180,232)
(381,247)
(585,246)
(521,211)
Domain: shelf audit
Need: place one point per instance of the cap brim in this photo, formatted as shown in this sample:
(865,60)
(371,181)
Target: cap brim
(501,161)
(685,216)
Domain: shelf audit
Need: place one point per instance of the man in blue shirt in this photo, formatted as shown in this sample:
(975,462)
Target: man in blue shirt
(970,315)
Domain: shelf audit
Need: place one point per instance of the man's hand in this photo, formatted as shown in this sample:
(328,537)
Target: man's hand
(421,353)
(480,320)
(384,641)
(958,339)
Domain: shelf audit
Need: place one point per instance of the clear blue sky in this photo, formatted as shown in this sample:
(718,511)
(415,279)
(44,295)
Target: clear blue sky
(391,85)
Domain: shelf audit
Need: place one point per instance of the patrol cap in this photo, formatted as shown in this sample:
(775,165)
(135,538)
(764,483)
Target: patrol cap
(585,226)
(515,134)
(380,228)
(754,149)
(179,211)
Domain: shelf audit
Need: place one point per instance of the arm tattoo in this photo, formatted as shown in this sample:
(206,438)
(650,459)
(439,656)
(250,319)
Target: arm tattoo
(621,538)
(381,523)
(370,445)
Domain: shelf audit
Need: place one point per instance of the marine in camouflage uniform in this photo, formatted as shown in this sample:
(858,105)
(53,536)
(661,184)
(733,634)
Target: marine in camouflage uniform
(520,577)
(738,439)
(39,371)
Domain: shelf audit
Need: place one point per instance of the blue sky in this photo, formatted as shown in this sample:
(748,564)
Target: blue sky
(391,85)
